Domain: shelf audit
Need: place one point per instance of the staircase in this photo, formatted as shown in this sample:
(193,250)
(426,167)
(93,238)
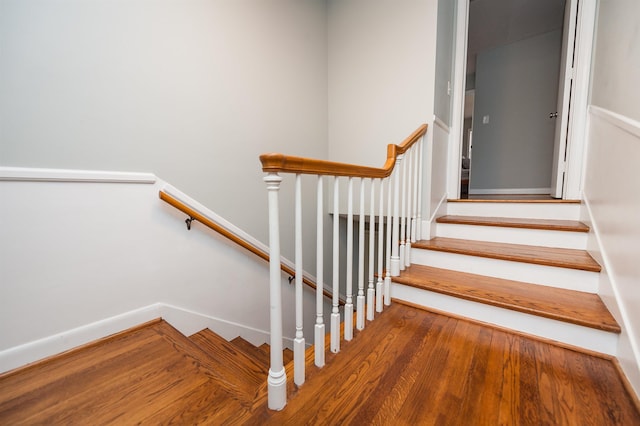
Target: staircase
(519,265)
(420,362)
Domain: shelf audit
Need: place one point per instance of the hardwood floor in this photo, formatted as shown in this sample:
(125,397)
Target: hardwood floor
(429,369)
(546,224)
(409,367)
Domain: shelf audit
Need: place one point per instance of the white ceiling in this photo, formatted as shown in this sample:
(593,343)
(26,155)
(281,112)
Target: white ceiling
(494,23)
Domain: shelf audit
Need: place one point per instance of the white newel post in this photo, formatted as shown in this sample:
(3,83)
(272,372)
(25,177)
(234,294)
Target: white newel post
(395,238)
(277,381)
(319,328)
(298,342)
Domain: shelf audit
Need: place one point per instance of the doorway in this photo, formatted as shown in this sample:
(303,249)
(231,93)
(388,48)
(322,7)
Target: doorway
(576,128)
(513,63)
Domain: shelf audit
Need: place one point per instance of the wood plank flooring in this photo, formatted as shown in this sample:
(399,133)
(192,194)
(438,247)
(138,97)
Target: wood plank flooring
(409,367)
(506,222)
(430,369)
(560,257)
(575,307)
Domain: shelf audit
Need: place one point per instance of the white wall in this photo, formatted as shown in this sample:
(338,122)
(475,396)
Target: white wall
(517,88)
(74,254)
(192,91)
(610,187)
(444,60)
(381,66)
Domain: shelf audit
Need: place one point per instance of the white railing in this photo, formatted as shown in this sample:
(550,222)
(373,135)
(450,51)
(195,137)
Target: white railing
(398,185)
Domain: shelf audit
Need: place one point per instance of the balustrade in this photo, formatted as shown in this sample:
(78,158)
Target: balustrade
(395,227)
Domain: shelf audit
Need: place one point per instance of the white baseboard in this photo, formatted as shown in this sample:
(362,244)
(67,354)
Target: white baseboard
(510,191)
(428,226)
(184,320)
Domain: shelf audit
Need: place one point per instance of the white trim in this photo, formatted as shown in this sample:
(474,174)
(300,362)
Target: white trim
(633,128)
(186,321)
(21,174)
(430,223)
(438,122)
(510,191)
(457,115)
(578,117)
(620,121)
(51,345)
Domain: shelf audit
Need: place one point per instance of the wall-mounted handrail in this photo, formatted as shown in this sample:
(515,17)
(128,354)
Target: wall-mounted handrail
(280,163)
(258,251)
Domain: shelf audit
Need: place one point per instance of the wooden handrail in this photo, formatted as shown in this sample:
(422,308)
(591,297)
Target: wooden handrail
(275,163)
(231,236)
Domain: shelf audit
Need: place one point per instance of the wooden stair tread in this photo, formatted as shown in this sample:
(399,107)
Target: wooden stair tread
(570,306)
(235,361)
(512,200)
(545,224)
(549,256)
(249,348)
(130,378)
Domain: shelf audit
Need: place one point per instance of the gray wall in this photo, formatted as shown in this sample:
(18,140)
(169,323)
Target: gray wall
(193,91)
(516,86)
(444,59)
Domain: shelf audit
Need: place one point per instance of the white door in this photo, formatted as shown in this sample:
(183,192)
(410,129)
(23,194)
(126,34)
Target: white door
(561,115)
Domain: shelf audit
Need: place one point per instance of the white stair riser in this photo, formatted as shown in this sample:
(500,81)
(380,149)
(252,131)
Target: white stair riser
(551,276)
(535,237)
(558,211)
(571,334)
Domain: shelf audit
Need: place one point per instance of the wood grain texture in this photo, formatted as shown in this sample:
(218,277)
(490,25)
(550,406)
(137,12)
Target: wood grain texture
(413,367)
(570,306)
(280,163)
(128,379)
(559,257)
(506,222)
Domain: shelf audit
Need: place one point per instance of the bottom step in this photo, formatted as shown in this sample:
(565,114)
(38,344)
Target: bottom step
(436,289)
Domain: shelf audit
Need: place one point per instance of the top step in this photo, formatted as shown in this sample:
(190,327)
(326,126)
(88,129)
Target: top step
(532,209)
(510,222)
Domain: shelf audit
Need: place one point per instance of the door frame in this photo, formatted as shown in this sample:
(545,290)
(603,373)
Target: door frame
(577,129)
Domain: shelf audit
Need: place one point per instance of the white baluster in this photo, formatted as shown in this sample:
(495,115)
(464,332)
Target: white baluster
(395,239)
(416,159)
(360,299)
(371,291)
(403,212)
(335,312)
(298,342)
(319,328)
(387,277)
(348,307)
(379,282)
(277,381)
(420,167)
(409,192)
